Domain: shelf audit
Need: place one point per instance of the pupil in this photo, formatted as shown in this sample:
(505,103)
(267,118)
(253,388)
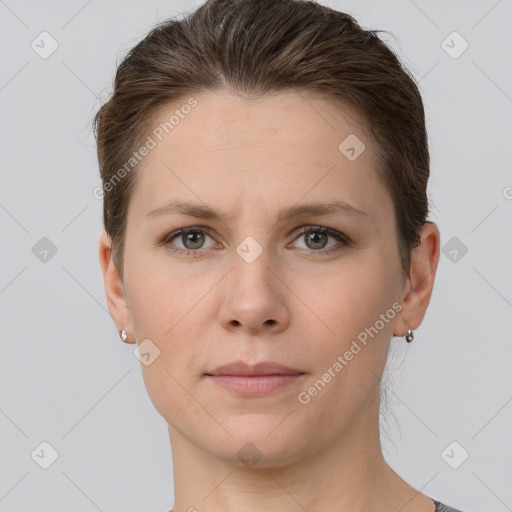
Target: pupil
(189,237)
(313,237)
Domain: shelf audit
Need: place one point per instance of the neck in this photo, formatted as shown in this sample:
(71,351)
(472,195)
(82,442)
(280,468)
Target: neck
(348,474)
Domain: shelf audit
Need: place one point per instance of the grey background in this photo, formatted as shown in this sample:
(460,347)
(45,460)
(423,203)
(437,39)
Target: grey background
(67,379)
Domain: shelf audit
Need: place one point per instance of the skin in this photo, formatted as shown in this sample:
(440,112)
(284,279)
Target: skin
(250,159)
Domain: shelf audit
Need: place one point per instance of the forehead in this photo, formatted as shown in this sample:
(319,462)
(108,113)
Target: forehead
(219,119)
(273,150)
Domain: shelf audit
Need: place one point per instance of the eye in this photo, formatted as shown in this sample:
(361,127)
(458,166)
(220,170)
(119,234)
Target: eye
(315,238)
(193,238)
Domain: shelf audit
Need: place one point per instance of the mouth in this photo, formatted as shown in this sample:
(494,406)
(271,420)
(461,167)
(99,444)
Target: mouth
(255,385)
(254,380)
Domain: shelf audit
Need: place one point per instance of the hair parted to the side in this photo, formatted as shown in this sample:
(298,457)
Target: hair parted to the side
(254,47)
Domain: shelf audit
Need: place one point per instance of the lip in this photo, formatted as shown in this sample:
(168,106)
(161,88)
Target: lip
(253,380)
(243,369)
(255,385)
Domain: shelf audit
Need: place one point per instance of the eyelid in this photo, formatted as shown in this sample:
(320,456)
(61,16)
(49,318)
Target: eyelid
(182,231)
(323,229)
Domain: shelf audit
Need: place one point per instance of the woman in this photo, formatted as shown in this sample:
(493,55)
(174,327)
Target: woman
(264,166)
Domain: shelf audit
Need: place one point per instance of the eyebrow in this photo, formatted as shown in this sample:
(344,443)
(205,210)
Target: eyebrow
(201,211)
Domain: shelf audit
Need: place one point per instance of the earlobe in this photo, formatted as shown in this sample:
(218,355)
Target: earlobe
(424,261)
(114,289)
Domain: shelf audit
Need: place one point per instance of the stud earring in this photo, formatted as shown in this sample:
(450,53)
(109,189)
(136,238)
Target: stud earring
(123,335)
(409,335)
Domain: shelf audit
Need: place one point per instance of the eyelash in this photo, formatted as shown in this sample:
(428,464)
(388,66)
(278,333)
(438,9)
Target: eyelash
(340,237)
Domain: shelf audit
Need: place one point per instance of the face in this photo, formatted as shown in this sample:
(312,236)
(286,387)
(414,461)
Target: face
(253,284)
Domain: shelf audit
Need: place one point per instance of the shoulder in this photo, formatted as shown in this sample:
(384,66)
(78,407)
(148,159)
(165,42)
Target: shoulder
(441,507)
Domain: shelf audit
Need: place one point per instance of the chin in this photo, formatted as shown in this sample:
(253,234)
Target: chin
(259,441)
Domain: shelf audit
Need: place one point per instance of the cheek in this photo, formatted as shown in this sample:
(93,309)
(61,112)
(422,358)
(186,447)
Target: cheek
(355,306)
(160,295)
(172,309)
(166,308)
(350,297)
(349,357)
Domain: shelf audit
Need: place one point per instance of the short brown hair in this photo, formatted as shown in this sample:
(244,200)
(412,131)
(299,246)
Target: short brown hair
(253,47)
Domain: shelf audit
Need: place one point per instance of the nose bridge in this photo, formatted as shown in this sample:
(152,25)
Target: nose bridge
(252,232)
(253,259)
(254,252)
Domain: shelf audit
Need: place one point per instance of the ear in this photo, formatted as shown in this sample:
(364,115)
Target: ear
(420,283)
(114,289)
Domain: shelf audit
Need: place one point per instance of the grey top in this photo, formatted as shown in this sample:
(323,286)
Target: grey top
(441,507)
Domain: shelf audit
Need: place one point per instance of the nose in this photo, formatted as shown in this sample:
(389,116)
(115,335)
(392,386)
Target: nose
(256,300)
